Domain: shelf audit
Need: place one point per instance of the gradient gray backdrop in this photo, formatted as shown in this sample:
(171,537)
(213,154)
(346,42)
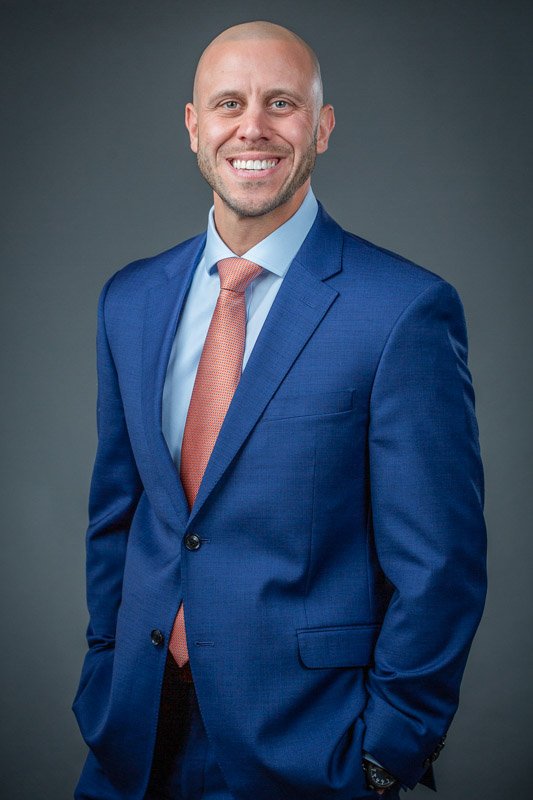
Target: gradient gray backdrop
(430,158)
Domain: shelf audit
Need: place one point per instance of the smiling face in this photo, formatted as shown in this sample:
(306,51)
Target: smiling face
(256,123)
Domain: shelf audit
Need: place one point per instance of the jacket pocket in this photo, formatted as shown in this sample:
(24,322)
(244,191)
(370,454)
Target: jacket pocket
(305,405)
(337,645)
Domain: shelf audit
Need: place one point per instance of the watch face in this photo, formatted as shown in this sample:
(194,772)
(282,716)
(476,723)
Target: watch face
(380,778)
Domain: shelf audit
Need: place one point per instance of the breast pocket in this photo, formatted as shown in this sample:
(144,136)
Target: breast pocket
(309,404)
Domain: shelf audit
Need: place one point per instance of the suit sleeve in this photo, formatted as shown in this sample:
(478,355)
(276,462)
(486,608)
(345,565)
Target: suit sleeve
(114,494)
(429,532)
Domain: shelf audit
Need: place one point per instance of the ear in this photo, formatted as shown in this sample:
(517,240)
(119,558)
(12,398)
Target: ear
(326,123)
(191,123)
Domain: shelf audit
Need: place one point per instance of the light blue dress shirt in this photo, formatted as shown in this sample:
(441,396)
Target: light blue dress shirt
(274,254)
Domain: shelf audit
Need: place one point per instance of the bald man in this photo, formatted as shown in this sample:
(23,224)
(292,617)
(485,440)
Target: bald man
(286,545)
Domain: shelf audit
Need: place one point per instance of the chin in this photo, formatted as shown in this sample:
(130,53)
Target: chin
(257,208)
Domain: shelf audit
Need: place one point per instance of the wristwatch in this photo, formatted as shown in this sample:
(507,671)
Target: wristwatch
(377,777)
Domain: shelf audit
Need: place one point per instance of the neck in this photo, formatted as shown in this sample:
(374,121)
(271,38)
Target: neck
(241,233)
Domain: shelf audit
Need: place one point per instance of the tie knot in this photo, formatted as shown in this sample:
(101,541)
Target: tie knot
(236,273)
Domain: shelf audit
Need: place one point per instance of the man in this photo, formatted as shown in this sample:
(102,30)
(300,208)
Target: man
(285,567)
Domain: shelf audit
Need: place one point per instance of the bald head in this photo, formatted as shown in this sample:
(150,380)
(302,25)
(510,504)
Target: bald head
(262,31)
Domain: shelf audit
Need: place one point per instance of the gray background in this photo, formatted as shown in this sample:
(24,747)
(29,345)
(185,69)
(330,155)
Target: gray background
(430,158)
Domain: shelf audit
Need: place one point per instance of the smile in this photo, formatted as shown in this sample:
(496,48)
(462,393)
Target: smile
(254,165)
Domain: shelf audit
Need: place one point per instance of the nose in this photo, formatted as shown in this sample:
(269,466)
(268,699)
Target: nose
(253,124)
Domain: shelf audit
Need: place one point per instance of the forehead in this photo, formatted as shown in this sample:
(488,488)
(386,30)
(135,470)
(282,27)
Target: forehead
(255,65)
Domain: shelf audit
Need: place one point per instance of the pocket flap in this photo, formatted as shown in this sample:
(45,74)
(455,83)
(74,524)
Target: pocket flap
(310,404)
(337,646)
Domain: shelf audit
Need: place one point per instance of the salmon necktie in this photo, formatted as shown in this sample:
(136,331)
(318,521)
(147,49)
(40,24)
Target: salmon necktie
(218,374)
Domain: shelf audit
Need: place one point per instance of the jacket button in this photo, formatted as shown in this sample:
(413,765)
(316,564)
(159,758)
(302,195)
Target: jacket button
(157,637)
(192,541)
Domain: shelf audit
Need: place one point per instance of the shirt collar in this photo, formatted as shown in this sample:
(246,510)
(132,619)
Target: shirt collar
(276,251)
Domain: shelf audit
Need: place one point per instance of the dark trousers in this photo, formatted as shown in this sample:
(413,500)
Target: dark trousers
(184,766)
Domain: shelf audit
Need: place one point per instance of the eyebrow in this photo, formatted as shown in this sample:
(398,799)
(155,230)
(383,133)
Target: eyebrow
(290,92)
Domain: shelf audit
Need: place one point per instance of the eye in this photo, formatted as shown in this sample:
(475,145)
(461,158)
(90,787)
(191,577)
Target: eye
(231,105)
(280,104)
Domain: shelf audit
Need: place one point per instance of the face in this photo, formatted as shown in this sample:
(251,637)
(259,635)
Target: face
(256,125)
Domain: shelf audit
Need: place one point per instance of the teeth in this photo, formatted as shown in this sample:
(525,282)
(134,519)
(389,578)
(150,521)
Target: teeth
(253,165)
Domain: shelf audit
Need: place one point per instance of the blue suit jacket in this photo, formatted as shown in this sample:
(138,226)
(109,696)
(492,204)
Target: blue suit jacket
(341,574)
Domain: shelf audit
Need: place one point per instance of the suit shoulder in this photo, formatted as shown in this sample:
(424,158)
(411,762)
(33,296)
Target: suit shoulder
(142,274)
(390,279)
(392,284)
(385,264)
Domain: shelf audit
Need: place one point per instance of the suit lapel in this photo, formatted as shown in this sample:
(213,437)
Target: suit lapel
(162,311)
(300,304)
